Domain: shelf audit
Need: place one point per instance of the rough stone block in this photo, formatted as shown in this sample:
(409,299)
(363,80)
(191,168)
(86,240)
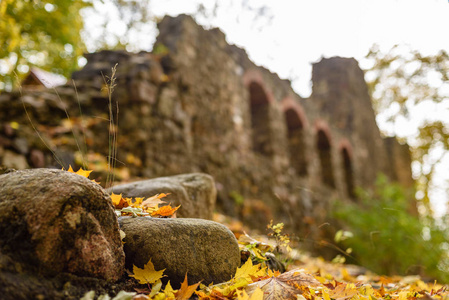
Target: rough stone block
(204,250)
(195,193)
(53,221)
(142,91)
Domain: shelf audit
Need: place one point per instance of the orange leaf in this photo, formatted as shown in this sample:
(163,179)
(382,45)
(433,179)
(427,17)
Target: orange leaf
(84,173)
(81,172)
(118,201)
(165,211)
(186,291)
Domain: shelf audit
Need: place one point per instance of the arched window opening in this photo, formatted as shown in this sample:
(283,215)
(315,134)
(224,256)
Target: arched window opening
(259,119)
(349,177)
(324,152)
(296,142)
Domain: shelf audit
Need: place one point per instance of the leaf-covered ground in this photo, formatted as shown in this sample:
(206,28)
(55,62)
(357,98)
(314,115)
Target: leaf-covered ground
(306,277)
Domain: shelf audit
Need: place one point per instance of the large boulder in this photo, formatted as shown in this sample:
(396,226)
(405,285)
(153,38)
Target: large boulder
(204,250)
(195,193)
(53,221)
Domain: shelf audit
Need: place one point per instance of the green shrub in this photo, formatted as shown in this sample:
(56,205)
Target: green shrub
(387,239)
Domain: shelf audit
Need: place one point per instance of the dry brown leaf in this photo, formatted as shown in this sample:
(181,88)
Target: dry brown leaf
(154,200)
(284,287)
(245,239)
(343,291)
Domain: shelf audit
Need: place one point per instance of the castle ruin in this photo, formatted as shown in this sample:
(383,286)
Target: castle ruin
(198,104)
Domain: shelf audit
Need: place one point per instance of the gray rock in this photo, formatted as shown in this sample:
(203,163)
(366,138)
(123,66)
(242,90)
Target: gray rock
(195,193)
(37,158)
(203,249)
(14,160)
(21,145)
(53,221)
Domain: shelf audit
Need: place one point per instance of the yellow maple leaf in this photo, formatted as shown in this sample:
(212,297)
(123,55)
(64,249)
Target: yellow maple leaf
(343,291)
(249,270)
(169,291)
(81,172)
(148,274)
(256,295)
(165,211)
(84,173)
(129,201)
(116,199)
(138,201)
(273,273)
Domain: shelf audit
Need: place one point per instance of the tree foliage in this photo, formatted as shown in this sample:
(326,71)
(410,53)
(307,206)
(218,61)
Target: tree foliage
(404,85)
(388,240)
(53,34)
(43,33)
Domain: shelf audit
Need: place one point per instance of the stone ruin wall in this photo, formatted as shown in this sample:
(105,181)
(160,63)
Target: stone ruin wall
(198,104)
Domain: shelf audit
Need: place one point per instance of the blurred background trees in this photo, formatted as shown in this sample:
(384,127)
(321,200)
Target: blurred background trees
(383,237)
(39,33)
(53,34)
(50,34)
(410,94)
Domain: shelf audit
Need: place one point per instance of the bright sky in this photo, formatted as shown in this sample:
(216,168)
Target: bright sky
(300,32)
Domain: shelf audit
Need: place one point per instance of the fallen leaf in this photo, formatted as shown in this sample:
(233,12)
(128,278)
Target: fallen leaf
(156,288)
(257,295)
(138,201)
(186,291)
(116,199)
(245,239)
(154,200)
(343,291)
(84,173)
(165,211)
(148,274)
(249,271)
(134,211)
(169,291)
(81,172)
(285,286)
(214,295)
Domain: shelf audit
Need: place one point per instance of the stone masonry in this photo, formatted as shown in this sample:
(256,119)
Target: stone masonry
(198,104)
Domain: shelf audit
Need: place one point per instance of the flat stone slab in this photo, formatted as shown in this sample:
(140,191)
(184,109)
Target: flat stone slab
(195,193)
(204,250)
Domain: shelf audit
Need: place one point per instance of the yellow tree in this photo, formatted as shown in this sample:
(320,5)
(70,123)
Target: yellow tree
(43,33)
(408,85)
